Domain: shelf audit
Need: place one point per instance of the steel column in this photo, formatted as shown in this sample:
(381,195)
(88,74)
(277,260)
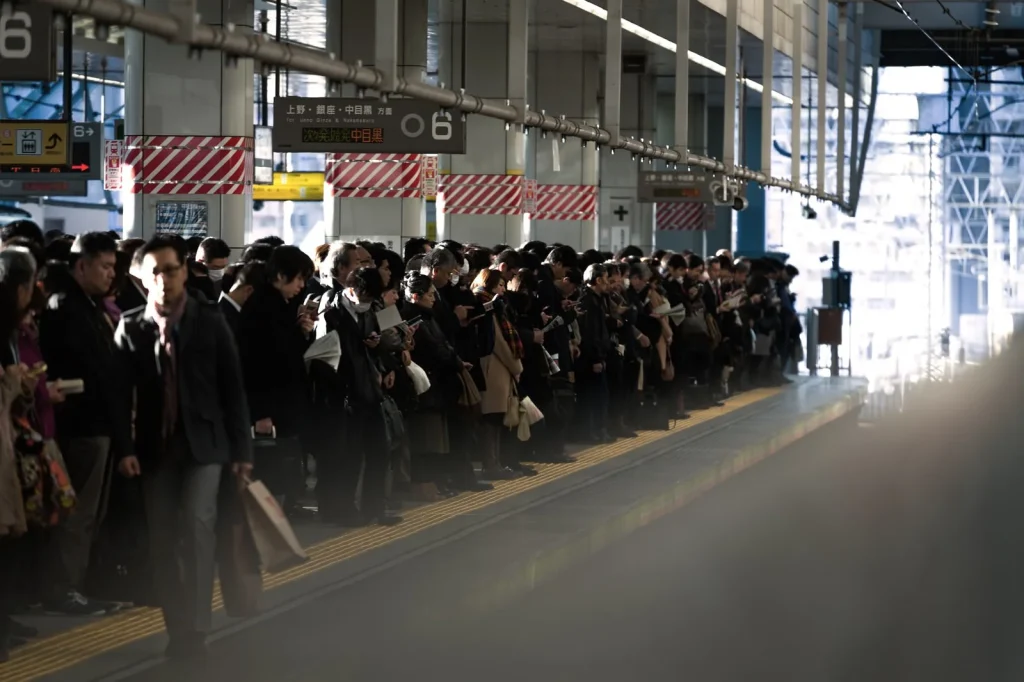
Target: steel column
(768,61)
(841,90)
(518,45)
(682,123)
(613,71)
(386,43)
(732,17)
(858,77)
(798,88)
(822,75)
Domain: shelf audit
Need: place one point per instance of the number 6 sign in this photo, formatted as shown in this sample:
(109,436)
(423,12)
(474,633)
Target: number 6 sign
(27,42)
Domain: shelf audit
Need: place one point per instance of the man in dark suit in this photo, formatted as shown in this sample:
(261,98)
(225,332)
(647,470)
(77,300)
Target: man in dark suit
(192,422)
(240,280)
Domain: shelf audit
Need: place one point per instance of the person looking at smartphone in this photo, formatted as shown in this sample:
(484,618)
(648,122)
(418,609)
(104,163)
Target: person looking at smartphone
(359,396)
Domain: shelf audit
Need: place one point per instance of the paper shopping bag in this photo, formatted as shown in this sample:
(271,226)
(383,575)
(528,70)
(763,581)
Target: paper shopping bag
(238,561)
(275,540)
(531,411)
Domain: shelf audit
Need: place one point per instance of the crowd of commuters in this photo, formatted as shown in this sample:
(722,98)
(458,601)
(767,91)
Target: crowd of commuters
(142,381)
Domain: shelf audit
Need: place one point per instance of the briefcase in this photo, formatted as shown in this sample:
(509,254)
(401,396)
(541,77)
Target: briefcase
(280,462)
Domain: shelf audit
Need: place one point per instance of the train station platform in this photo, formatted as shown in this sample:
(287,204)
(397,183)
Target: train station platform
(467,554)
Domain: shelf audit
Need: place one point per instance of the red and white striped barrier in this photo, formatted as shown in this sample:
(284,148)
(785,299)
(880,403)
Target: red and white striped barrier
(566,202)
(483,194)
(683,216)
(374,176)
(188,164)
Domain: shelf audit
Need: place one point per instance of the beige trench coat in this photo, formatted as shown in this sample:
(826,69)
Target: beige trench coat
(498,368)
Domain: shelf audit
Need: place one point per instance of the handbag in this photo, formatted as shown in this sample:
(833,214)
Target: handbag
(273,536)
(694,325)
(530,412)
(470,393)
(393,421)
(713,331)
(238,561)
(280,461)
(512,418)
(47,493)
(420,380)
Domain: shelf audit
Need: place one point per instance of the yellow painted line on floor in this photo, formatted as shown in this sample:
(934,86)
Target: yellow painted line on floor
(69,648)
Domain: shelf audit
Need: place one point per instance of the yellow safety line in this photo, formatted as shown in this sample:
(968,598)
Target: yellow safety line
(66,649)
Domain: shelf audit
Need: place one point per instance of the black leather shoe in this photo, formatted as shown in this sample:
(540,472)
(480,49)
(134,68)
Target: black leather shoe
(187,647)
(21,630)
(472,486)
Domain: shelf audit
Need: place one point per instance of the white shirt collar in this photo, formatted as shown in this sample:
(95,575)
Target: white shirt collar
(233,302)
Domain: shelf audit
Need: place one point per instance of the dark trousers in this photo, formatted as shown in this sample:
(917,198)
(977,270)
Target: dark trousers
(90,468)
(365,459)
(593,396)
(181,512)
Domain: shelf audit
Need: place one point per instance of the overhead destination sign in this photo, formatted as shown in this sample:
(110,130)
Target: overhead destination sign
(366,126)
(675,187)
(38,143)
(291,187)
(85,162)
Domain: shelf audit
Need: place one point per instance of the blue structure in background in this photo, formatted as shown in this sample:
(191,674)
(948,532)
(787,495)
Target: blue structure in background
(91,101)
(750,224)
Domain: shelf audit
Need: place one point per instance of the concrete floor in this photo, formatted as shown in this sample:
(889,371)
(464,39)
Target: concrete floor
(890,554)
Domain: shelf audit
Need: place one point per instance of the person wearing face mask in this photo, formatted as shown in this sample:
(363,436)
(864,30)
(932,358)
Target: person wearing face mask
(359,390)
(215,254)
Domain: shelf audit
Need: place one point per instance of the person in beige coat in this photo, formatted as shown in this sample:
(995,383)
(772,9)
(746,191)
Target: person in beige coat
(501,369)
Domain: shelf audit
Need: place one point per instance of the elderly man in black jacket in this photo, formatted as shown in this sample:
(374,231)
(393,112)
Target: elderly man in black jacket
(191,423)
(93,427)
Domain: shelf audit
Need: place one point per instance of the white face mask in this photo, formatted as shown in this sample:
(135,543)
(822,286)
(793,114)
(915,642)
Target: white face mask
(216,274)
(357,305)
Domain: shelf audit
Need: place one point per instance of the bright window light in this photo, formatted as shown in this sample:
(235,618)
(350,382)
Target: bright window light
(700,60)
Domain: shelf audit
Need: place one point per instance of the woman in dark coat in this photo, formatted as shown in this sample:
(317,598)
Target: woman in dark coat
(432,461)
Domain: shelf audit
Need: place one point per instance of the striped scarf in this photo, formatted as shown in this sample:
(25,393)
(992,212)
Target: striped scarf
(508,331)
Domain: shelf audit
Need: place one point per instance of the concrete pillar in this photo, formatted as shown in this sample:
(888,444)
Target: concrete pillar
(619,209)
(168,93)
(351,35)
(721,236)
(491,148)
(565,83)
(681,240)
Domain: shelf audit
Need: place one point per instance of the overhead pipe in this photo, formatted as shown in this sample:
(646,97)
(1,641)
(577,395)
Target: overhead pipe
(257,47)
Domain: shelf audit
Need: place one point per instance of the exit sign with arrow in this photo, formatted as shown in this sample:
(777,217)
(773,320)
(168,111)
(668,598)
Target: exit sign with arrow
(33,143)
(84,160)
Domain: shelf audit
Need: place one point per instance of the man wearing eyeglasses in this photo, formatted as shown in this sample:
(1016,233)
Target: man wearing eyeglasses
(191,427)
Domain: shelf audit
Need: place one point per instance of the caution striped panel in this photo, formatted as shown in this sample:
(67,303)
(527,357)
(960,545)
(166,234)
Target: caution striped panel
(683,216)
(188,164)
(374,176)
(475,194)
(566,202)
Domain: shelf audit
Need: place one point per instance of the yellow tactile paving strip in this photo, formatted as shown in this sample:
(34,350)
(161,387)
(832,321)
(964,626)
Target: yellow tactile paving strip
(80,644)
